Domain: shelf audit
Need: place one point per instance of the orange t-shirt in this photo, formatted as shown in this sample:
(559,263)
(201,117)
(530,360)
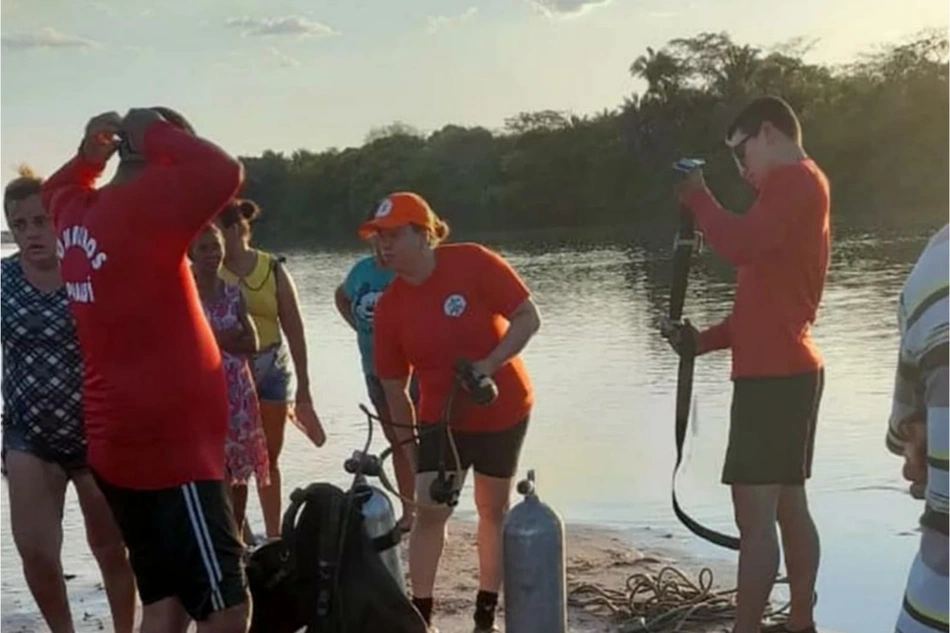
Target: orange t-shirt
(781,248)
(458,312)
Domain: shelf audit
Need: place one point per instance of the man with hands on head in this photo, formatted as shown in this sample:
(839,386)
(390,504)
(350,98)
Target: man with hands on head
(156,408)
(780,248)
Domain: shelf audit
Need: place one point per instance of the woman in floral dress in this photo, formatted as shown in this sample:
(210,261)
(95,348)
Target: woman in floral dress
(245,447)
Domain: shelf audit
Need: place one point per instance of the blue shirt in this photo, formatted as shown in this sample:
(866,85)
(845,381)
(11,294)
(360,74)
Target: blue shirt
(363,286)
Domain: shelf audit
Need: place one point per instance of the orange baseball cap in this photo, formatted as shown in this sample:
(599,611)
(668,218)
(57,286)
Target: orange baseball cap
(399,209)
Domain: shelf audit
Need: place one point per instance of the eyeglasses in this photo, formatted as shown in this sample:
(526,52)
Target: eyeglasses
(738,151)
(738,148)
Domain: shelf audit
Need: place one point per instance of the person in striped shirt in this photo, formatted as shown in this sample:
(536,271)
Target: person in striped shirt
(918,431)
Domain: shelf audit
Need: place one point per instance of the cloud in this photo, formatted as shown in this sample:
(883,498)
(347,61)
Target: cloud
(284,59)
(45,38)
(439,22)
(566,8)
(287,25)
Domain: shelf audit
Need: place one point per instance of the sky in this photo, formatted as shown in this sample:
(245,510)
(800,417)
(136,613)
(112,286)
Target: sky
(287,74)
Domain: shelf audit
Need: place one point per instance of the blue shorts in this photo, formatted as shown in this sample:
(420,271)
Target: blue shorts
(378,397)
(274,374)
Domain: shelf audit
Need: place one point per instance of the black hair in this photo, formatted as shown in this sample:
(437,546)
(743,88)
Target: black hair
(210,227)
(126,153)
(775,110)
(175,118)
(25,185)
(238,210)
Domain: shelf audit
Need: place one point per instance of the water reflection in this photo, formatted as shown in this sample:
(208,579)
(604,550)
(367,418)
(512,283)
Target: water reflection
(601,436)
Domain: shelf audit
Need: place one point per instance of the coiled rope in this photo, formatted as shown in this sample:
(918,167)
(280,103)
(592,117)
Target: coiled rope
(663,602)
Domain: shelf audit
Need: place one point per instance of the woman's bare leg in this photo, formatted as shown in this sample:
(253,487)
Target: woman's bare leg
(37,492)
(405,477)
(274,420)
(239,505)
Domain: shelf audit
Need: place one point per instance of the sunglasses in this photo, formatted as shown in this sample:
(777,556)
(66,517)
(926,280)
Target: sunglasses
(738,148)
(738,151)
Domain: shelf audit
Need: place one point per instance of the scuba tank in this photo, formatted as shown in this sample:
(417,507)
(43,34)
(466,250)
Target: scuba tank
(534,567)
(379,520)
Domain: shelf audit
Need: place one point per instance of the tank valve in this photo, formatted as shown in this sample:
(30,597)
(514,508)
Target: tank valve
(526,486)
(534,565)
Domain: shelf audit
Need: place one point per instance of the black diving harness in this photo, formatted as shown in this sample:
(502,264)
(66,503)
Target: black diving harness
(688,242)
(444,490)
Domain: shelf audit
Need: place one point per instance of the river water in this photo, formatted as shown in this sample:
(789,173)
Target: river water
(601,438)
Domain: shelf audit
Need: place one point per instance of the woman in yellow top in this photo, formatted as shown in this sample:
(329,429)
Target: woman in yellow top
(271,299)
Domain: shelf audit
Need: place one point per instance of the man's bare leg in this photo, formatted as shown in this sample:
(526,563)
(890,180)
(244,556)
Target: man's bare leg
(165,616)
(105,541)
(236,619)
(802,553)
(756,509)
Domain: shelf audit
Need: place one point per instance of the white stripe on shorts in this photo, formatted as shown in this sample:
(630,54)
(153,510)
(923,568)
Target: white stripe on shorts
(205,546)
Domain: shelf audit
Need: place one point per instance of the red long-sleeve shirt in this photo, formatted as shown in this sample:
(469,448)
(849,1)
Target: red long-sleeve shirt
(781,249)
(155,400)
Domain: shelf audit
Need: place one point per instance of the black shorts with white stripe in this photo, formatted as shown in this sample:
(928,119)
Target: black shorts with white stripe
(182,543)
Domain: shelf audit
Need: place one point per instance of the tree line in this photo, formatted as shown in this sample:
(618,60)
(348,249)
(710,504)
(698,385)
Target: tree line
(878,127)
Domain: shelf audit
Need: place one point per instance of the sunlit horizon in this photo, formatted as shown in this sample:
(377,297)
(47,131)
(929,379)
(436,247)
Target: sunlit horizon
(293,74)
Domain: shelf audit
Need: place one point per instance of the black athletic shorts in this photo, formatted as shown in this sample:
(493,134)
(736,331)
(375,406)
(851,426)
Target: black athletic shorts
(182,543)
(494,454)
(772,431)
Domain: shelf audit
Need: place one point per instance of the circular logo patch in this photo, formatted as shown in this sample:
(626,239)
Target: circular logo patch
(385,208)
(454,306)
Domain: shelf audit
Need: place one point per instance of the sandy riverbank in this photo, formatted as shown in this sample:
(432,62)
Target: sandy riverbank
(594,555)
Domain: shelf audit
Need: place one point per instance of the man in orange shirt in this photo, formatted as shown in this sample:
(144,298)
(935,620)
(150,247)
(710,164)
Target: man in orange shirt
(781,250)
(452,302)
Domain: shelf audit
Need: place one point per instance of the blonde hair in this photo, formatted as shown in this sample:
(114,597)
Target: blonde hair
(25,171)
(437,233)
(26,184)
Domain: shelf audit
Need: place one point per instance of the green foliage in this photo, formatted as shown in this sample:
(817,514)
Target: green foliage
(879,128)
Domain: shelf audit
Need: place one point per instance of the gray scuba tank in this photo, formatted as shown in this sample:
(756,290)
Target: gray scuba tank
(535,587)
(380,520)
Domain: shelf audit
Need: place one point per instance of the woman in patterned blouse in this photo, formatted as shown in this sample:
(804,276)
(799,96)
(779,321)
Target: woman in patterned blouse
(44,445)
(245,450)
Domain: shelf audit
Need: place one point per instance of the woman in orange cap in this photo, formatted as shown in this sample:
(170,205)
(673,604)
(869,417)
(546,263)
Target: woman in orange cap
(451,302)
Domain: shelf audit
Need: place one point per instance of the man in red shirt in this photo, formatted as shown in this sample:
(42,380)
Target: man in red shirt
(780,247)
(156,409)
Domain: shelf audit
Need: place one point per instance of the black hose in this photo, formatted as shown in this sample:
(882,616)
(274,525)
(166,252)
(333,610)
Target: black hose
(347,508)
(443,425)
